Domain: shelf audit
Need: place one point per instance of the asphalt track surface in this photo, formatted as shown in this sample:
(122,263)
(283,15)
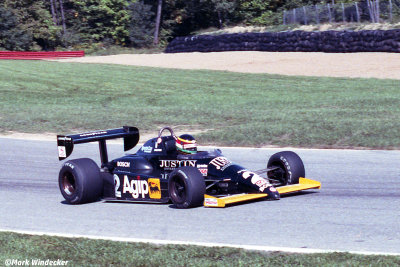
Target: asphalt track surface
(357,208)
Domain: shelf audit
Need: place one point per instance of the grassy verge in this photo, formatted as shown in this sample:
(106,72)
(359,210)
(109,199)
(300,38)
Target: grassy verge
(230,108)
(100,50)
(86,252)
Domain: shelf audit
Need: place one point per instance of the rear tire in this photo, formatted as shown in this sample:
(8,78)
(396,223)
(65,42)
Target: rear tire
(290,165)
(80,182)
(186,188)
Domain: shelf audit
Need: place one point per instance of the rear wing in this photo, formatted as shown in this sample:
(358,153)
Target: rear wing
(65,143)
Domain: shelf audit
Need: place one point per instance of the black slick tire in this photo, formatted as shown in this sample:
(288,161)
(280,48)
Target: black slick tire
(80,182)
(186,188)
(290,165)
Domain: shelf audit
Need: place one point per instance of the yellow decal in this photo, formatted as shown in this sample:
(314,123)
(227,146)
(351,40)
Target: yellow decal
(154,188)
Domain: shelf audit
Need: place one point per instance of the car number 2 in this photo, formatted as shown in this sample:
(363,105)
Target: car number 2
(117,183)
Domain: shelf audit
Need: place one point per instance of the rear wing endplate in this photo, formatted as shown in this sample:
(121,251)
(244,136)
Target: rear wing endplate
(65,143)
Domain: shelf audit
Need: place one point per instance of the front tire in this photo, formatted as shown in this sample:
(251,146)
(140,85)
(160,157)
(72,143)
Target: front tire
(186,188)
(80,182)
(289,166)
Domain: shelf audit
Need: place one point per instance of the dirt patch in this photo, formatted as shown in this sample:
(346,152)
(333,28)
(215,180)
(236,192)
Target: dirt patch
(30,136)
(353,65)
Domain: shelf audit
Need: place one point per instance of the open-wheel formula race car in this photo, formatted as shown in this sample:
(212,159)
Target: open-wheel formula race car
(160,172)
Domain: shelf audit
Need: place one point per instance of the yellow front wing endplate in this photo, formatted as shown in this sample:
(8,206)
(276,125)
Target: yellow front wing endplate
(221,202)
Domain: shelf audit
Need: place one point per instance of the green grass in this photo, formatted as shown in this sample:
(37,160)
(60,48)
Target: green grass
(101,50)
(86,252)
(231,108)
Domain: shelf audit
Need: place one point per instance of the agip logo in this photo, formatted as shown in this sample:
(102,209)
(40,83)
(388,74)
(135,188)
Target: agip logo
(154,188)
(139,189)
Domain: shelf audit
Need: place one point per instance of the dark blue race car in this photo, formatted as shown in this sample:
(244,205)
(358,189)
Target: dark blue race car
(169,168)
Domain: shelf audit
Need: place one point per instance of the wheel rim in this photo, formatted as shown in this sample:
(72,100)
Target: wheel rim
(68,184)
(178,190)
(278,176)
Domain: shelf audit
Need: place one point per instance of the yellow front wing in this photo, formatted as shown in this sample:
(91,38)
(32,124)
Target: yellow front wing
(221,202)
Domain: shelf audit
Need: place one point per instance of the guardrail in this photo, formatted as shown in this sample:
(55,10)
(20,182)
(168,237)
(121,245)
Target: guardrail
(40,55)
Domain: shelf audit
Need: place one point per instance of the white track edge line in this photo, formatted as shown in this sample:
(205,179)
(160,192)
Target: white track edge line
(202,244)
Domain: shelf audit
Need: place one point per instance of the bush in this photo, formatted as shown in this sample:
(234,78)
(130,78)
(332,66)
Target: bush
(268,18)
(141,24)
(12,37)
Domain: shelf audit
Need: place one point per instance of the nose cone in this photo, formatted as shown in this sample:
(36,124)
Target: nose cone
(273,194)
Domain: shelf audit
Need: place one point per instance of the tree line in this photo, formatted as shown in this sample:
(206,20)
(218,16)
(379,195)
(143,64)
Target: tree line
(54,24)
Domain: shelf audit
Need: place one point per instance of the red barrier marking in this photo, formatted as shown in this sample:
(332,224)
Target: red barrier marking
(40,55)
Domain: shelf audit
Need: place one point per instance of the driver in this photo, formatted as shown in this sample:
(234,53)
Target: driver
(186,144)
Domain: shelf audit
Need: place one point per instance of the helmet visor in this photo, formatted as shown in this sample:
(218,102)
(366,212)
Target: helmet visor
(186,146)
